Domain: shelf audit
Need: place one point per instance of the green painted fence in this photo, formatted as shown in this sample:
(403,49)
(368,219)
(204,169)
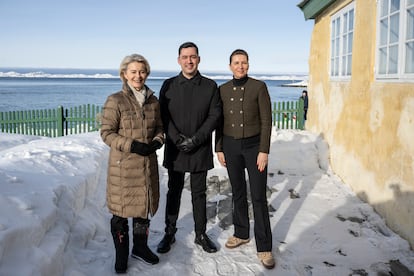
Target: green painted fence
(288,115)
(52,122)
(86,118)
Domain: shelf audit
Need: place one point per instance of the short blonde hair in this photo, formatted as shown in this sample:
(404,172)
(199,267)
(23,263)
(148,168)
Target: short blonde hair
(132,58)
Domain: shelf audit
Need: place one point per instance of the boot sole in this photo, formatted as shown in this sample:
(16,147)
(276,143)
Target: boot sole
(208,250)
(143,260)
(268,266)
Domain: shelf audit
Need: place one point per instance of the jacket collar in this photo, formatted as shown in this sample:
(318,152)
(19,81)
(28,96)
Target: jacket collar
(194,80)
(240,82)
(126,89)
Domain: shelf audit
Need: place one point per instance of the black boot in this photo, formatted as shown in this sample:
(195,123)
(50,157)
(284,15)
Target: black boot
(165,244)
(119,230)
(140,250)
(169,238)
(206,243)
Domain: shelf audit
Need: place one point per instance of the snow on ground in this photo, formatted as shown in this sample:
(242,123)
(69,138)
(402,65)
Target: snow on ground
(54,219)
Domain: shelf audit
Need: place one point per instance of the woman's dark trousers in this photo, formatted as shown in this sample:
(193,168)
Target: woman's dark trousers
(241,154)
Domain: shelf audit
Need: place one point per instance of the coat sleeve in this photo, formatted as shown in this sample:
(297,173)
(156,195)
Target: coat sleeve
(219,136)
(265,112)
(219,129)
(203,134)
(111,119)
(159,129)
(169,128)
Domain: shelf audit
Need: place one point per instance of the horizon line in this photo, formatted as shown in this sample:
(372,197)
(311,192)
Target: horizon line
(154,70)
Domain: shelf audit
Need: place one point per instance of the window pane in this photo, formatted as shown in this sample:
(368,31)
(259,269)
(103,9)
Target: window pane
(395,5)
(344,44)
(337,47)
(343,69)
(409,60)
(384,32)
(393,60)
(336,66)
(338,26)
(410,23)
(394,27)
(345,25)
(410,2)
(383,61)
(384,7)
(349,66)
(351,19)
(350,40)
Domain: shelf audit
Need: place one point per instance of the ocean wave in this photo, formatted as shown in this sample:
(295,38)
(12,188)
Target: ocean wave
(261,77)
(42,74)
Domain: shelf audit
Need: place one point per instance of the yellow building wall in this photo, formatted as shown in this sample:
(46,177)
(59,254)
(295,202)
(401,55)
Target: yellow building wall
(368,123)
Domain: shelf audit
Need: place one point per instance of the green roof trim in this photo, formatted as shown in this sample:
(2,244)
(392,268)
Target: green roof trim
(312,8)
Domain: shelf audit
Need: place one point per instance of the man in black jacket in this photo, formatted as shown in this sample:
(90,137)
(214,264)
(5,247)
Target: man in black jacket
(190,111)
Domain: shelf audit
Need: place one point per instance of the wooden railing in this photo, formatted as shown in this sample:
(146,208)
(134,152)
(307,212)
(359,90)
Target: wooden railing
(86,118)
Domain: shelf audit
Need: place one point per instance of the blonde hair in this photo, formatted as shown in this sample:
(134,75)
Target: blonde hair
(132,58)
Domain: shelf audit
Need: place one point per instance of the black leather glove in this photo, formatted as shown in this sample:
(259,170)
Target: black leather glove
(180,140)
(140,148)
(154,145)
(187,144)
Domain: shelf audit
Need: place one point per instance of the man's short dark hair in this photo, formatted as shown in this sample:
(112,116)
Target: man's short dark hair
(187,45)
(239,52)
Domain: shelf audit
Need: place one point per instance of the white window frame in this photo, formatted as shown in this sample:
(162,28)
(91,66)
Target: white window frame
(341,43)
(382,68)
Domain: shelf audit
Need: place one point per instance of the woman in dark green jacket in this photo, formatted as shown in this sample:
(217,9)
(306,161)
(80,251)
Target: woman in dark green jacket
(243,142)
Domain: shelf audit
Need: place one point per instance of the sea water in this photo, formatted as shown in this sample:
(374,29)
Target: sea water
(29,89)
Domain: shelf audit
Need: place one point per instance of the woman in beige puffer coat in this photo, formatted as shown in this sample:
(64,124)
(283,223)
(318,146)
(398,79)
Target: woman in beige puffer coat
(132,128)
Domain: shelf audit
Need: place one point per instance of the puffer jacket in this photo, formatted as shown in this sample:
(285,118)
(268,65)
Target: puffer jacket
(132,179)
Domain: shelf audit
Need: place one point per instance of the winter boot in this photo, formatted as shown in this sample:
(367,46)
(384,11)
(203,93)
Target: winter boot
(204,241)
(140,250)
(165,244)
(119,230)
(169,238)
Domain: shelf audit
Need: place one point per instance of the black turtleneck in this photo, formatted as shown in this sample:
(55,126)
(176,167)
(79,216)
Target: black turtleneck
(240,82)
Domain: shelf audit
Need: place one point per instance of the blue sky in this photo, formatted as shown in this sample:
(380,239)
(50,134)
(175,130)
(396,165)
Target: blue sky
(98,34)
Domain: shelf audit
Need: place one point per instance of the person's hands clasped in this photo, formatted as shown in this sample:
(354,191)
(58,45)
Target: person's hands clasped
(187,144)
(262,159)
(141,148)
